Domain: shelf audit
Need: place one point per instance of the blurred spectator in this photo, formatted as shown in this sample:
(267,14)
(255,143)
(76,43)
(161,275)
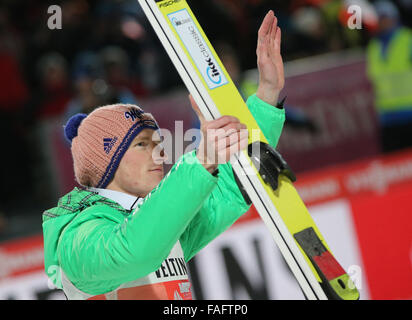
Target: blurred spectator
(100,79)
(55,88)
(14,94)
(241,19)
(310,31)
(389,57)
(107,52)
(116,66)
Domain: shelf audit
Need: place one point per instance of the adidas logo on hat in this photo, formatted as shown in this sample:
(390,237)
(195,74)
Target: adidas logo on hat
(108,144)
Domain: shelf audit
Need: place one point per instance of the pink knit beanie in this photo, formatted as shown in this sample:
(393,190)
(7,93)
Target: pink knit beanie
(100,139)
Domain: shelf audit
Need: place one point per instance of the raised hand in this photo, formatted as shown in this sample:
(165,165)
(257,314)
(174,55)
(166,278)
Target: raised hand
(269,60)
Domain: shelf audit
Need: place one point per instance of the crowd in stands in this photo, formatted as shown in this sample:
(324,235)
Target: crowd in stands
(106,52)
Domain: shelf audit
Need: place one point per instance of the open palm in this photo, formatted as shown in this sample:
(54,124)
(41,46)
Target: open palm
(269,60)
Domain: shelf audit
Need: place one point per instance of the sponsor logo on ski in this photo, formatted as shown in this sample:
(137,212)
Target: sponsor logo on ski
(198,49)
(178,22)
(212,72)
(168,3)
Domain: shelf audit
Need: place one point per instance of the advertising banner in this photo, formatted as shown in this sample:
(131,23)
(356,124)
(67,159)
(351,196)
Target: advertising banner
(363,209)
(22,275)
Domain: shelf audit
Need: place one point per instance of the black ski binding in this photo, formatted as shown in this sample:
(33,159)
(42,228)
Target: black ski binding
(270,163)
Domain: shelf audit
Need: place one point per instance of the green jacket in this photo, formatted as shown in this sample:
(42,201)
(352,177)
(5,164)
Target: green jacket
(100,245)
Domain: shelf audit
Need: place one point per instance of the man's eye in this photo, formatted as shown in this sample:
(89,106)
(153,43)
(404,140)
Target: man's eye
(141,144)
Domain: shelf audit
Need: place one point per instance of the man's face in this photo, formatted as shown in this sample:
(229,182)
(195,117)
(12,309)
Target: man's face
(141,168)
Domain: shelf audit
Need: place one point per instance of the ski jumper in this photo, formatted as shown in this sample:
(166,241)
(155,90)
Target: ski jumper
(103,244)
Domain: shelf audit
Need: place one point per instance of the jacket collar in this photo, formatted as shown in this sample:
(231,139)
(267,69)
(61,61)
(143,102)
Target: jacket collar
(127,201)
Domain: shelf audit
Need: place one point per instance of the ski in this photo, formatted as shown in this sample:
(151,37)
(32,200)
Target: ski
(261,170)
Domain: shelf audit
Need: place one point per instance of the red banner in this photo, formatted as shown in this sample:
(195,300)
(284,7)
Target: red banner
(378,191)
(21,256)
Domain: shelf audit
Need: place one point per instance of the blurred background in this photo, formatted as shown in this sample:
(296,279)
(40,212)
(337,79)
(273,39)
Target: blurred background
(348,131)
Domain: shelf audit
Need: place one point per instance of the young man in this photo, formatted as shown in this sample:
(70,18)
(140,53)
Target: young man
(128,233)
